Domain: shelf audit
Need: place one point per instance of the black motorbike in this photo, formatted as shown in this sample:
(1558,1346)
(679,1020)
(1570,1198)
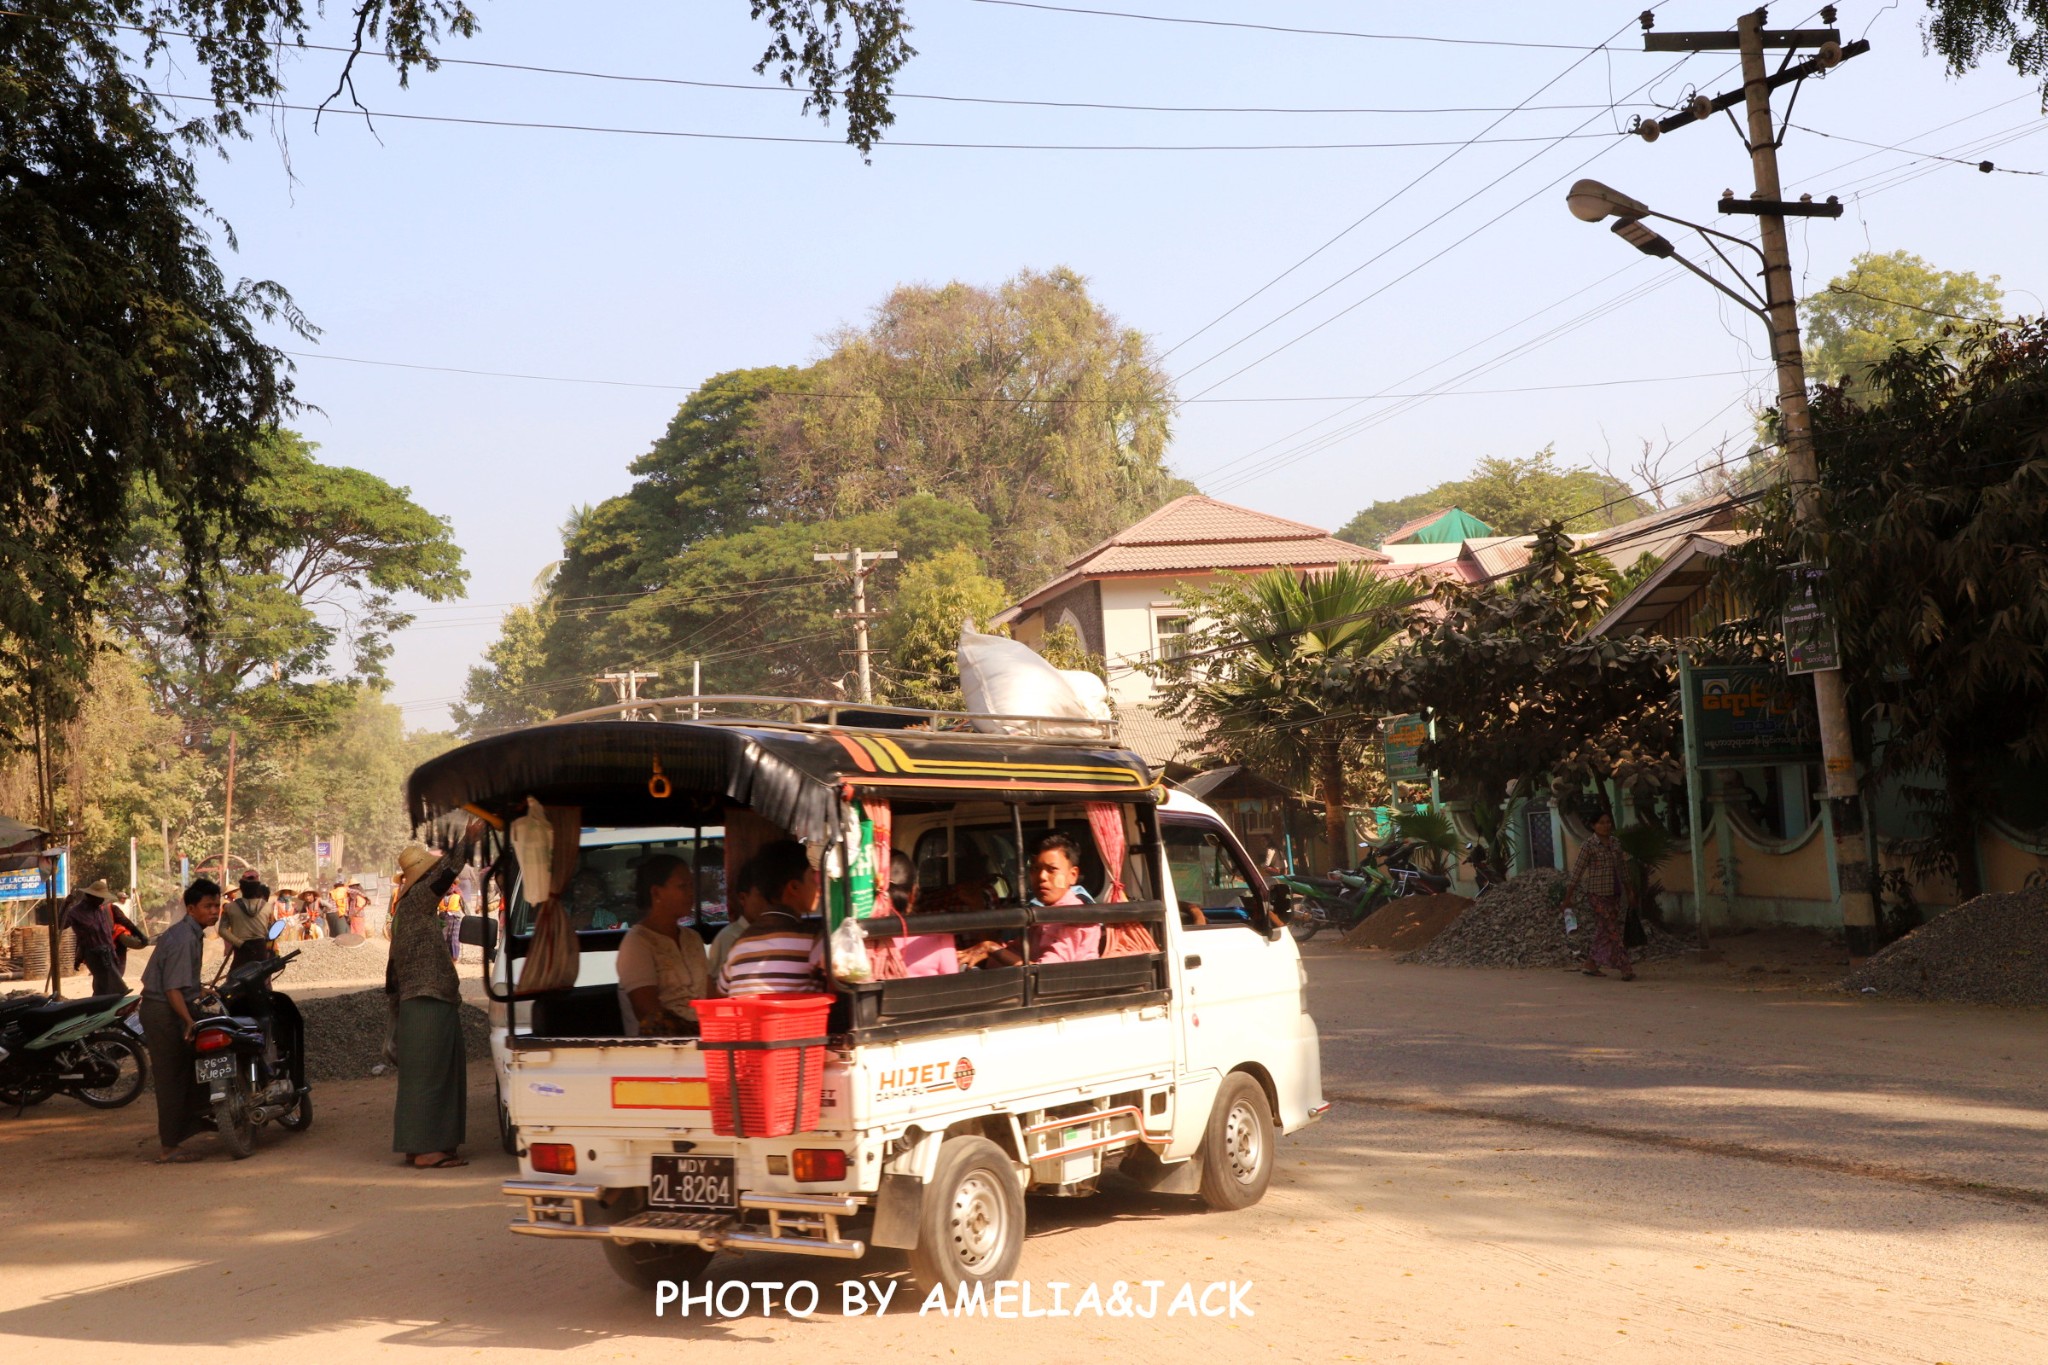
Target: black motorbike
(250,1046)
(84,1048)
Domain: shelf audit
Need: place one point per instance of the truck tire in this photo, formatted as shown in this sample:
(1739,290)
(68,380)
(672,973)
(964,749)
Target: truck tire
(1237,1151)
(645,1264)
(972,1226)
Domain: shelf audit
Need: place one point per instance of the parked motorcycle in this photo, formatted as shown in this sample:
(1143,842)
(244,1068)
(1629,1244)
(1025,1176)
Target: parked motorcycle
(1395,857)
(1338,901)
(250,1042)
(1483,871)
(87,1048)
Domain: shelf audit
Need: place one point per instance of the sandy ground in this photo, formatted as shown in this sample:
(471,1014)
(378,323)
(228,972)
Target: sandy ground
(1519,1166)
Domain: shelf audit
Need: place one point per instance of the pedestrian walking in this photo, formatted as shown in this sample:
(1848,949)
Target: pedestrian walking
(1598,885)
(451,923)
(92,937)
(429,1120)
(169,984)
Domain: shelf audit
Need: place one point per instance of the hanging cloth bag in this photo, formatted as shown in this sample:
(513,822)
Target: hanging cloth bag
(553,958)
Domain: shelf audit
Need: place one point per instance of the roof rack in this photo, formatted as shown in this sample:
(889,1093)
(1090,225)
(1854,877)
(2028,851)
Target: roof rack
(813,713)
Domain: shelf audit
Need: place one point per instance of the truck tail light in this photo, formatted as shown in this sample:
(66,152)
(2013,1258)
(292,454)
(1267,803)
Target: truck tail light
(817,1163)
(555,1158)
(213,1040)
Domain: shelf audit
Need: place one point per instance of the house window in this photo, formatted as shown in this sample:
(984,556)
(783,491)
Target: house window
(1173,636)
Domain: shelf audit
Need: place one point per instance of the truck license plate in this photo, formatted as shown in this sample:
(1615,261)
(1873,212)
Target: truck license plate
(215,1068)
(692,1182)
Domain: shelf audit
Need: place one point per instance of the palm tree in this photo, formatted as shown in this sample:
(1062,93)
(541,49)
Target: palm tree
(1259,662)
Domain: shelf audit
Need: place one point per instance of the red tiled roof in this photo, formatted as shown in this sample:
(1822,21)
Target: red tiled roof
(1200,533)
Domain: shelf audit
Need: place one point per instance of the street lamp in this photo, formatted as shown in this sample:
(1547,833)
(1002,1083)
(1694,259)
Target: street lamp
(1591,201)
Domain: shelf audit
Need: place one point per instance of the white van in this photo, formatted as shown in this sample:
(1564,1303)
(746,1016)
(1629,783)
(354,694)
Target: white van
(1177,1063)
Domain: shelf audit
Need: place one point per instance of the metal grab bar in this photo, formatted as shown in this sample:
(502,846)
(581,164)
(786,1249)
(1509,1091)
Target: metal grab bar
(801,709)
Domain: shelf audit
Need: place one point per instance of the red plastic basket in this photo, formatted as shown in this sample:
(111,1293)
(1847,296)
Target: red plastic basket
(764,1060)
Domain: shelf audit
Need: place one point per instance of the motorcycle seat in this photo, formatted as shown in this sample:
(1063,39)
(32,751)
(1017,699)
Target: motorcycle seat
(20,1005)
(1320,883)
(51,1013)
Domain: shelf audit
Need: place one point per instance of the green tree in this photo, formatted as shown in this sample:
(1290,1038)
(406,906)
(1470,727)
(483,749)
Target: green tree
(1964,32)
(1266,696)
(920,632)
(1514,497)
(239,632)
(1028,403)
(1063,647)
(503,691)
(126,356)
(1933,496)
(1884,299)
(1520,693)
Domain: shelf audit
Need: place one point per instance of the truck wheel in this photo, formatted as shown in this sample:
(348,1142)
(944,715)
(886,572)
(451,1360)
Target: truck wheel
(645,1264)
(1237,1151)
(972,1227)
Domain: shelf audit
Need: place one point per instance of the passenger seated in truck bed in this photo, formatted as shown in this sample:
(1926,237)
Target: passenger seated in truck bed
(1055,879)
(783,950)
(661,965)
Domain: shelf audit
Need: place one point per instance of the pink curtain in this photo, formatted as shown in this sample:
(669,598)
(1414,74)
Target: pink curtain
(1126,939)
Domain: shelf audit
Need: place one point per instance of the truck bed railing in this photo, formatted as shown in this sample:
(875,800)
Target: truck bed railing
(814,713)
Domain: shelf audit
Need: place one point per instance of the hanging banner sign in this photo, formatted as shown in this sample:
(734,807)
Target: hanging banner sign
(1744,715)
(26,883)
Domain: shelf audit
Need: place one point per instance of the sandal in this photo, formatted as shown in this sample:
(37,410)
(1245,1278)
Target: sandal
(1592,971)
(442,1162)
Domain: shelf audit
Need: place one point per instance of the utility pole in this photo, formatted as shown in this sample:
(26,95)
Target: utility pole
(696,687)
(1849,854)
(626,685)
(227,828)
(863,562)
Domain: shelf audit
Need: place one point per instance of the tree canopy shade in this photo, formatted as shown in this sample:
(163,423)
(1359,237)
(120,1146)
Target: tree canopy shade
(1266,696)
(309,536)
(1514,497)
(1934,496)
(1520,693)
(1965,32)
(1882,300)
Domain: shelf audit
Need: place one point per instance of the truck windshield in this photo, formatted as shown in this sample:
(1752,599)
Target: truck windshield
(600,893)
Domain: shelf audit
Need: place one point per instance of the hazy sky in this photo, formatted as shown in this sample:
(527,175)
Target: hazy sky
(653,262)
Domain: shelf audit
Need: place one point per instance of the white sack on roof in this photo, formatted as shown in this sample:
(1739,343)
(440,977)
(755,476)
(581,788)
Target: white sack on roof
(1004,678)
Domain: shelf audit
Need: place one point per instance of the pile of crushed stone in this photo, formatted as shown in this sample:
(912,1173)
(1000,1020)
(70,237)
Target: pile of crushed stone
(1989,951)
(345,1034)
(1521,924)
(1407,923)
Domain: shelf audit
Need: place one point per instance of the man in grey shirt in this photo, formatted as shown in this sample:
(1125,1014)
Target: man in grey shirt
(168,984)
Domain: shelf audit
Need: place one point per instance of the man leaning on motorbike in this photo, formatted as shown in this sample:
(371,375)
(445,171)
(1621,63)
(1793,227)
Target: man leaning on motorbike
(169,984)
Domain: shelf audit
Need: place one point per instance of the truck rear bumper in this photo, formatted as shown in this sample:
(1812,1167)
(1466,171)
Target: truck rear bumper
(806,1224)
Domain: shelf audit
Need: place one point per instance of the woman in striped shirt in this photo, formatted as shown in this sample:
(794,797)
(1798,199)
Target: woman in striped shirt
(782,951)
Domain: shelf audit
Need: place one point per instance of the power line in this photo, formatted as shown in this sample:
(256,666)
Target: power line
(1280,28)
(1984,167)
(1375,209)
(997,399)
(543,126)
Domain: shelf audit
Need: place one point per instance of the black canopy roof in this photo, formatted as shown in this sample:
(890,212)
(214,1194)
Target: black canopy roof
(790,774)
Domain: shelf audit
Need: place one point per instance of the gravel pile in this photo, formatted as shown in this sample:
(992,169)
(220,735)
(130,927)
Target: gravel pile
(1520,924)
(333,962)
(1989,951)
(345,1034)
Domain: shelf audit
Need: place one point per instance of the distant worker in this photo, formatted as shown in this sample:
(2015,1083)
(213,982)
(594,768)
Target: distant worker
(92,937)
(245,923)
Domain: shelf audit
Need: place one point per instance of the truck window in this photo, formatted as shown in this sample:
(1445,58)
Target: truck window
(987,854)
(1207,873)
(600,893)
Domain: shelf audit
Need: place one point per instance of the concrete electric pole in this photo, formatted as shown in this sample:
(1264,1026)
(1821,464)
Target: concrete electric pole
(626,686)
(862,562)
(1844,809)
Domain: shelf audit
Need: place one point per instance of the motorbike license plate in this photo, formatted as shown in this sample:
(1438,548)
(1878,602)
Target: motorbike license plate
(692,1182)
(134,1023)
(214,1068)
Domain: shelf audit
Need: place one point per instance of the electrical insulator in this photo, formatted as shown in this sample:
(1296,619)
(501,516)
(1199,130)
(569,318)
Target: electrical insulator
(1830,55)
(1700,107)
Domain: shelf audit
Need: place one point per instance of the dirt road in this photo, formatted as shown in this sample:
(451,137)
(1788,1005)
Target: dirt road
(1519,1166)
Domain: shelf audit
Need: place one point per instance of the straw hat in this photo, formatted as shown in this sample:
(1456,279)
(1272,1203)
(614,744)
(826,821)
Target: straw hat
(416,859)
(99,890)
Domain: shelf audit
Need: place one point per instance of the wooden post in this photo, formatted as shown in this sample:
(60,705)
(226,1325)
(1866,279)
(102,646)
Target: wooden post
(227,827)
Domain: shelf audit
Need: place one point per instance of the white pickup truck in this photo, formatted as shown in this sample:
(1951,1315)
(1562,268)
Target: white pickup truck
(945,1098)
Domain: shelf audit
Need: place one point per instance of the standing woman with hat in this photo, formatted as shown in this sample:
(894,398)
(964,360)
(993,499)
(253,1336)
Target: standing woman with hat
(92,937)
(429,1121)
